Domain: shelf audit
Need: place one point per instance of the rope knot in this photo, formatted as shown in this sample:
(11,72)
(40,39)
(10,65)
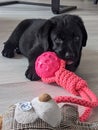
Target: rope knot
(81,84)
(70,81)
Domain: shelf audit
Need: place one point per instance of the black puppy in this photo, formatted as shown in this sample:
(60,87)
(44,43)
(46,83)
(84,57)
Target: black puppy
(65,35)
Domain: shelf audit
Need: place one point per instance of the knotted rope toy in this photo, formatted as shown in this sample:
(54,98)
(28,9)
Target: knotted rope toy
(43,113)
(52,69)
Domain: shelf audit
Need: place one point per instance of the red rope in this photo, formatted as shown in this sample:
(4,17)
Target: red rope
(69,81)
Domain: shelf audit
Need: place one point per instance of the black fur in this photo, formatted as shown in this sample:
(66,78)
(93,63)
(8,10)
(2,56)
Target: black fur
(64,34)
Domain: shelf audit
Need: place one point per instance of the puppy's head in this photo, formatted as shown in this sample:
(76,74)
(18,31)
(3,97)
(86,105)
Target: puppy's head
(66,35)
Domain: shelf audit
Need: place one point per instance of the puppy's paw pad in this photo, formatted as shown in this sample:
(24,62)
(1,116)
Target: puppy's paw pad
(8,53)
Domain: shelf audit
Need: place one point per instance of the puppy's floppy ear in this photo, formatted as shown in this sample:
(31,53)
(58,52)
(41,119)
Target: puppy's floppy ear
(44,34)
(79,21)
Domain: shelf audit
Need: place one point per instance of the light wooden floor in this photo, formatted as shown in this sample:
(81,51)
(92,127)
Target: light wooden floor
(14,86)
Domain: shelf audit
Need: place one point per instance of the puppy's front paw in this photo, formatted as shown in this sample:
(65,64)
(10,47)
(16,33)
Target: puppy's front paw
(31,75)
(8,53)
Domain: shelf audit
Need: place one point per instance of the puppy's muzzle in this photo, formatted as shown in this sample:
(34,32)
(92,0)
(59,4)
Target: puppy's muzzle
(69,57)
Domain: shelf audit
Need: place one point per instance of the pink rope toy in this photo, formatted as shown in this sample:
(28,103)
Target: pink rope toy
(52,69)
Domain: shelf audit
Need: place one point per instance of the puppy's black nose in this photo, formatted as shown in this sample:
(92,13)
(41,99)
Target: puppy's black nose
(69,55)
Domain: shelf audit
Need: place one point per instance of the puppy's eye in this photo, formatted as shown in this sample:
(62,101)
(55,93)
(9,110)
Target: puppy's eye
(77,38)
